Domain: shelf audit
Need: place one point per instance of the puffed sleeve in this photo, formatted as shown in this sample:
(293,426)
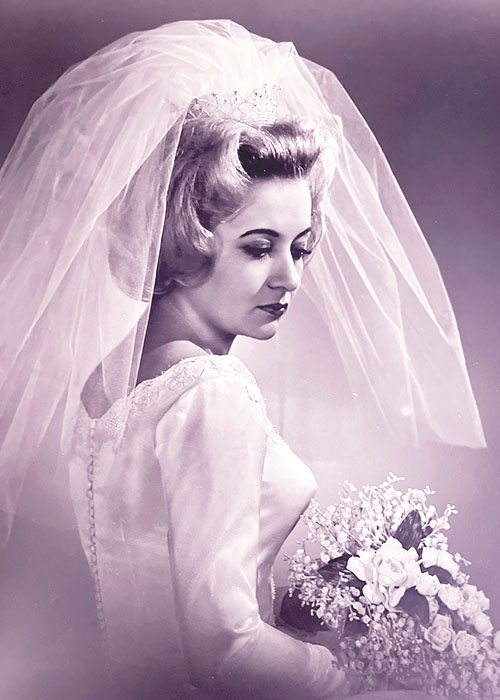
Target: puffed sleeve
(211,449)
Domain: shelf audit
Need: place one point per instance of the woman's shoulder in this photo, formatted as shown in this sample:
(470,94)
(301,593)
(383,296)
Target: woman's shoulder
(203,373)
(187,367)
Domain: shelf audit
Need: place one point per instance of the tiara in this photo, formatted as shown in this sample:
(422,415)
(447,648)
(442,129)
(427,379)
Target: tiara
(257,109)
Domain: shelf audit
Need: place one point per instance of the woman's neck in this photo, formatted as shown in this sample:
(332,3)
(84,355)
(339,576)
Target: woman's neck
(172,318)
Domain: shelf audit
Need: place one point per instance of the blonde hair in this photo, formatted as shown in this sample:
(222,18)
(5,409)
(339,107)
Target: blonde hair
(215,164)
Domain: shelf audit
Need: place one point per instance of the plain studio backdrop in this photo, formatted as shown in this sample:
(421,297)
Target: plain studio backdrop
(425,74)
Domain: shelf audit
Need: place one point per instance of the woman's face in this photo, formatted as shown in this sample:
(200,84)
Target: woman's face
(260,260)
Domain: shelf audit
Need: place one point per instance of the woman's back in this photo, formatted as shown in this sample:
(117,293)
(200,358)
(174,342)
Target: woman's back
(168,509)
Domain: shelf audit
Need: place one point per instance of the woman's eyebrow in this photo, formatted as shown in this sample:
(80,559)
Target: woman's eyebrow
(271,232)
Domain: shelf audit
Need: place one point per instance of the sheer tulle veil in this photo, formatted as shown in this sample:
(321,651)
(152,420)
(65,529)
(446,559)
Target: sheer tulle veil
(370,345)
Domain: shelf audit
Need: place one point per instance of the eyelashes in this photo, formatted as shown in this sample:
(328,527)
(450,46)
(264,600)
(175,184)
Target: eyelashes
(300,253)
(259,252)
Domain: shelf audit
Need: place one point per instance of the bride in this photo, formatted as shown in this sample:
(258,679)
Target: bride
(164,197)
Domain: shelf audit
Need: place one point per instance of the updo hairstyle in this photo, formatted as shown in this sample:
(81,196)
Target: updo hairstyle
(215,164)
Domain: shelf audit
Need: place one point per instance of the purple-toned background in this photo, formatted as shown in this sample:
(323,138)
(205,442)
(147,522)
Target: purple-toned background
(426,76)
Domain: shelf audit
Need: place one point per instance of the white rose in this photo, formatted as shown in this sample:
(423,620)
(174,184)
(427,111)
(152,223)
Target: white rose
(496,640)
(427,584)
(471,592)
(446,561)
(388,572)
(475,601)
(440,634)
(465,644)
(439,557)
(429,557)
(482,623)
(484,601)
(470,608)
(451,596)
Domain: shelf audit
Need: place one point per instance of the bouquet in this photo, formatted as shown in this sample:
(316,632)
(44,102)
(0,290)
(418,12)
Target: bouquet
(404,610)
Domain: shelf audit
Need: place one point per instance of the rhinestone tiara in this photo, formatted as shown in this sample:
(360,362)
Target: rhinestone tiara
(257,109)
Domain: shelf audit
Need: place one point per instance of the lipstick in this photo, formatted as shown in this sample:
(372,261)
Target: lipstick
(275,310)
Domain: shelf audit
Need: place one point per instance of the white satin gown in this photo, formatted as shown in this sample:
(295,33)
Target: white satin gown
(181,518)
(182,511)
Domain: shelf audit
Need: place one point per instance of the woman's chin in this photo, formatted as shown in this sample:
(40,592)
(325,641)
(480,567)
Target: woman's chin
(265,332)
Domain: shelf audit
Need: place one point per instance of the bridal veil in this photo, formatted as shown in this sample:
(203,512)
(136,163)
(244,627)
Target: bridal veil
(371,346)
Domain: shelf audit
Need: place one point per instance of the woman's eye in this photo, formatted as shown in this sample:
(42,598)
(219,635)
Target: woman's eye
(257,252)
(300,253)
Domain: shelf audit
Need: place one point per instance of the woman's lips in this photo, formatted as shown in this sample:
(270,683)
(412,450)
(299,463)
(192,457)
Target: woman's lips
(275,310)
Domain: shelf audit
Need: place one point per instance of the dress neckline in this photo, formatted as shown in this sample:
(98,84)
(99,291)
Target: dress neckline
(177,367)
(232,361)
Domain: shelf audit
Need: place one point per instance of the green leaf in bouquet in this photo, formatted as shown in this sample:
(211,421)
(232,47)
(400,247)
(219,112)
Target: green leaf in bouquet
(336,568)
(428,530)
(456,621)
(415,605)
(300,615)
(443,575)
(410,531)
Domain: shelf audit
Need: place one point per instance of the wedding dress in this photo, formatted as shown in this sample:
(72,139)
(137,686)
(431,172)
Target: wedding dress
(202,491)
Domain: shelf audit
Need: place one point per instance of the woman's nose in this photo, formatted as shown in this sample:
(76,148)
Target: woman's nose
(285,274)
